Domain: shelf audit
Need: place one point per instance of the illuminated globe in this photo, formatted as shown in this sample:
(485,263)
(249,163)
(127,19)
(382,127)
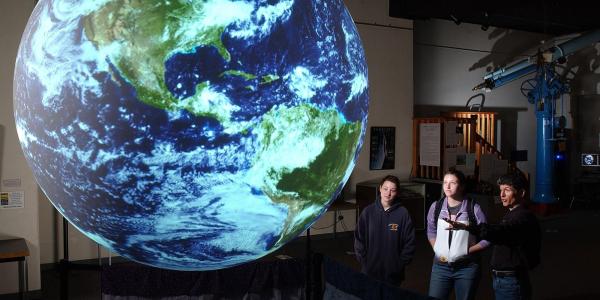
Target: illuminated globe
(191,135)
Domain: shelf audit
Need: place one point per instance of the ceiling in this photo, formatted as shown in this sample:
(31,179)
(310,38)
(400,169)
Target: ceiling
(550,17)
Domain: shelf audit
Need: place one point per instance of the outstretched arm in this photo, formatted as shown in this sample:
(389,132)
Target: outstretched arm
(507,233)
(503,233)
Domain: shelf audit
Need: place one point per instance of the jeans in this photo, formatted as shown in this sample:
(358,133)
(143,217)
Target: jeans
(464,279)
(512,287)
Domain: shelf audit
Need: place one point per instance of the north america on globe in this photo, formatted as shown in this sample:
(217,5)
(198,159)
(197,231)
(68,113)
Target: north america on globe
(191,135)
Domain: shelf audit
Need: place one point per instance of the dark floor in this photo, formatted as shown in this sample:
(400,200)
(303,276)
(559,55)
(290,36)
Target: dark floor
(570,259)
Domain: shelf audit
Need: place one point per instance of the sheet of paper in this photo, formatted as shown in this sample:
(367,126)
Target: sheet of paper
(429,144)
(14,199)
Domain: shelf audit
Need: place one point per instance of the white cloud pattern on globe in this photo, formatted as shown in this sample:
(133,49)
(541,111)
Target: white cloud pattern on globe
(191,135)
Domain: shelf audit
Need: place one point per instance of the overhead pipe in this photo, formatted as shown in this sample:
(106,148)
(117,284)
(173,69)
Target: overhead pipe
(528,65)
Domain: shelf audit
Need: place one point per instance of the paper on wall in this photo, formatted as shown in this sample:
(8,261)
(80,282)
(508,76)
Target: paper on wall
(12,199)
(429,144)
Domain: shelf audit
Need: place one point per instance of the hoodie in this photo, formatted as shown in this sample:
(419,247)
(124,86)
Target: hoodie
(384,241)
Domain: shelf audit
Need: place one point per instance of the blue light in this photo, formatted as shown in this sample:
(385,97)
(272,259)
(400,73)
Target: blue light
(559,156)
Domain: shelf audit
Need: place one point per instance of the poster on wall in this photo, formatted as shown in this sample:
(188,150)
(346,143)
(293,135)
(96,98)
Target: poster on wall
(12,199)
(383,143)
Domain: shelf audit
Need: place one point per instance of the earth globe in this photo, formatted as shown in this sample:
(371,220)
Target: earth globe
(191,135)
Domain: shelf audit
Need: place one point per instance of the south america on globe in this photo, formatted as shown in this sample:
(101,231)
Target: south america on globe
(191,135)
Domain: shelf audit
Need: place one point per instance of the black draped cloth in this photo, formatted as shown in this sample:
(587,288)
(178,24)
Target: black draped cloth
(277,279)
(343,283)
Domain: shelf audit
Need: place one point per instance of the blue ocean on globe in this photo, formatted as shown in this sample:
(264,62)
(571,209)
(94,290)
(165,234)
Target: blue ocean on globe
(191,135)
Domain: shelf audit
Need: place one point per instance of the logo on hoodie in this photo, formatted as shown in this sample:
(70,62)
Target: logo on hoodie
(393,226)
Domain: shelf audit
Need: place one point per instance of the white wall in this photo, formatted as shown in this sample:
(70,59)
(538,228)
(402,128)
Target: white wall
(450,60)
(388,44)
(20,222)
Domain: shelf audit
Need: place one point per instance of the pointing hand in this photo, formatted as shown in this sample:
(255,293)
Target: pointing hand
(455,225)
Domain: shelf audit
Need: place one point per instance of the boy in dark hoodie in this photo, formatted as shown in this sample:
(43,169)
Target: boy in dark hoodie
(384,239)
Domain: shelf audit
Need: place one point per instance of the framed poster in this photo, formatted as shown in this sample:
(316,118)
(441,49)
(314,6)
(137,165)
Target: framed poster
(383,143)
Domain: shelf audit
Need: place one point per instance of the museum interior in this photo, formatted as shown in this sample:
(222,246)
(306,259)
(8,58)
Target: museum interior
(226,149)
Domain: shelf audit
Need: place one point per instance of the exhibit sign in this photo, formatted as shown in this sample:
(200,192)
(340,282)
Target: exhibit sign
(13,199)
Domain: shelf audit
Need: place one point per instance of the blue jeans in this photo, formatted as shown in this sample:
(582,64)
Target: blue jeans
(463,279)
(512,287)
